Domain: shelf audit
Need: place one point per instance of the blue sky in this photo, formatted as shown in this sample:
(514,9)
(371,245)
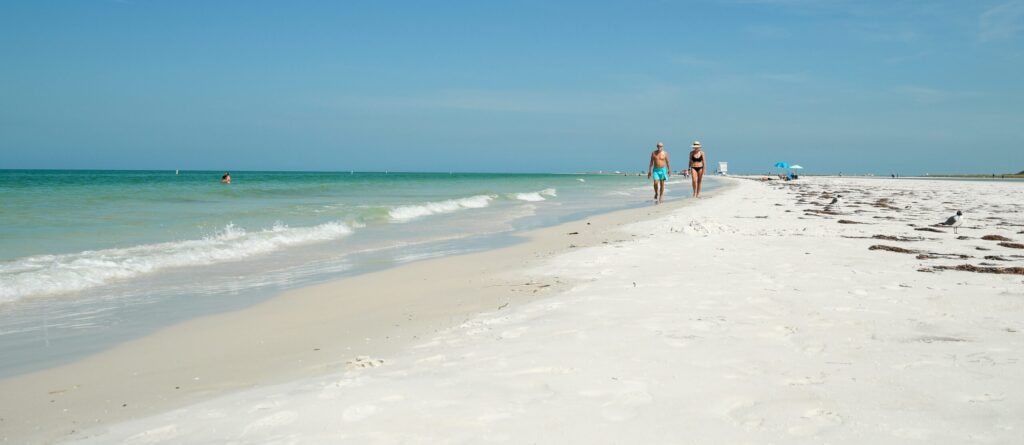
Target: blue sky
(853,86)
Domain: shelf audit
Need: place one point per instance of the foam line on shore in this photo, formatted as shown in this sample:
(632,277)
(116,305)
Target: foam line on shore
(41,275)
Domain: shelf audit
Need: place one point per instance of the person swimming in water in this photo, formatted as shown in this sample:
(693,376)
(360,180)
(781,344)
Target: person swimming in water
(697,163)
(226,179)
(660,169)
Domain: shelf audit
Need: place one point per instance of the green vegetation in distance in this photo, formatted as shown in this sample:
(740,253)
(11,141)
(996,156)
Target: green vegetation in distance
(984,175)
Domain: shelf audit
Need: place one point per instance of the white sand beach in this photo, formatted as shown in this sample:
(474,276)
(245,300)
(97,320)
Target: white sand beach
(753,315)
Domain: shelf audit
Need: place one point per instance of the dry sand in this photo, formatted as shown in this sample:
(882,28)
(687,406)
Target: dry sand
(757,315)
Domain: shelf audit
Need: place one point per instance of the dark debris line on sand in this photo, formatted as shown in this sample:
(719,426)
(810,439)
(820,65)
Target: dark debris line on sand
(892,249)
(920,254)
(995,238)
(888,237)
(809,201)
(933,255)
(977,269)
(898,238)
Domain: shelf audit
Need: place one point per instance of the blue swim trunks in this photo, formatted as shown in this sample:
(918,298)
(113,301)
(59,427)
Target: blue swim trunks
(659,174)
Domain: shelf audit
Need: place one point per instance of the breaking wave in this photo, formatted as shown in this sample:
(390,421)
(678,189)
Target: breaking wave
(408,212)
(535,196)
(54,274)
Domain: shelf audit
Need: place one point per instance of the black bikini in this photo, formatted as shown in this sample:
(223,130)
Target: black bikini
(694,158)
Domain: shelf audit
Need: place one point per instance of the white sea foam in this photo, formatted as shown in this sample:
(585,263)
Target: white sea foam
(55,274)
(406,213)
(535,196)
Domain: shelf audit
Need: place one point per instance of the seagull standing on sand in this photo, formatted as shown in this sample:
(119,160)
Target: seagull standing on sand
(835,201)
(954,221)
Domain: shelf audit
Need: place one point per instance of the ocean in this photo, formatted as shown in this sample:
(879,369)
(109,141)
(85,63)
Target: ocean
(89,259)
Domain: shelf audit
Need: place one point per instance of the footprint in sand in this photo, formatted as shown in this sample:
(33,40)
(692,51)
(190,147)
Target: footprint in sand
(797,418)
(739,411)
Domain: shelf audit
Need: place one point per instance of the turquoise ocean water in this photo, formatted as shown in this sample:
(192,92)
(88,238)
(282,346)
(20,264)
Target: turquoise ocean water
(92,258)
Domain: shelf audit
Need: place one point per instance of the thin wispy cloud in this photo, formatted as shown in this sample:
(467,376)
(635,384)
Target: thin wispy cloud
(521,101)
(1002,22)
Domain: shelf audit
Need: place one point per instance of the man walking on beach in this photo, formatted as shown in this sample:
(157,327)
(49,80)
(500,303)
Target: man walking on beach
(660,169)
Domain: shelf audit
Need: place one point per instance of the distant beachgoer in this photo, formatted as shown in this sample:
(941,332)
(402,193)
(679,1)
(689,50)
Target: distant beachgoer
(697,163)
(660,169)
(226,179)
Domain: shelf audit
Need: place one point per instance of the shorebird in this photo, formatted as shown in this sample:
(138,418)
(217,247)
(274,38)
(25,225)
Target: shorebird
(954,221)
(837,201)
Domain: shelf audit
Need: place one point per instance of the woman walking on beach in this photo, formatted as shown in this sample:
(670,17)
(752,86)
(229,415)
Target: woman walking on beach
(697,163)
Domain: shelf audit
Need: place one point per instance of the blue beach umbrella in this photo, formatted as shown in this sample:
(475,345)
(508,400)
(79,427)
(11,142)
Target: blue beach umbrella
(782,165)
